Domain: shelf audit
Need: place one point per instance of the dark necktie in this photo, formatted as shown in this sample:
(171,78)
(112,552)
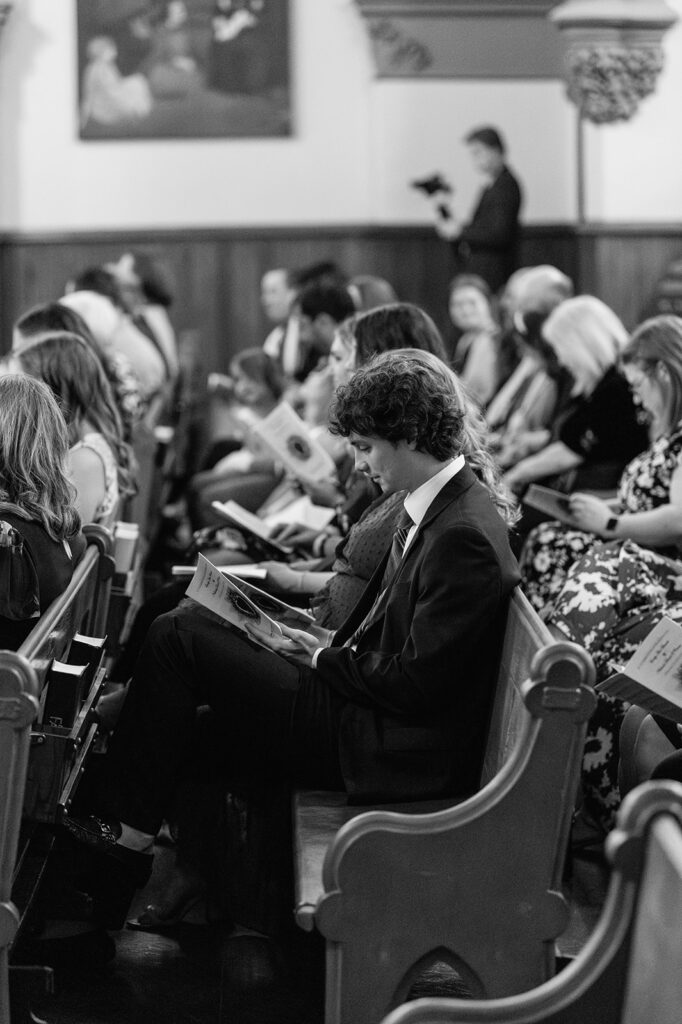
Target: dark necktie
(403,527)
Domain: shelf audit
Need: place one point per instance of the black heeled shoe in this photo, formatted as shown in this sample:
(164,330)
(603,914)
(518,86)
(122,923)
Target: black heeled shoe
(102,835)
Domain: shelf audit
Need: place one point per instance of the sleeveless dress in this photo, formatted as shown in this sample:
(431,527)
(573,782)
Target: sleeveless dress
(39,565)
(607,596)
(96,442)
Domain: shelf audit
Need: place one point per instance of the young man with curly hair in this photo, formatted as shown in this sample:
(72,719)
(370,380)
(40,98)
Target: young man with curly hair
(392,706)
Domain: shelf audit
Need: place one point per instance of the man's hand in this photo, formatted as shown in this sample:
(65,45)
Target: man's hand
(294,644)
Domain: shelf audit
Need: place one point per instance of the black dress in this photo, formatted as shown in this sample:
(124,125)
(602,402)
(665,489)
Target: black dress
(42,571)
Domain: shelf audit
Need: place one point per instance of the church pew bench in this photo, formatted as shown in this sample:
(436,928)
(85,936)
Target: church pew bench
(629,970)
(41,754)
(474,883)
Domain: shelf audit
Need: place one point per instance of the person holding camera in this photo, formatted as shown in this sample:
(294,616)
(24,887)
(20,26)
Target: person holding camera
(487,244)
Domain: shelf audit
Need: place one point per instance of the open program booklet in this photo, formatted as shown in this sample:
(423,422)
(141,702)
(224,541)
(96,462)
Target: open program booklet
(652,678)
(289,440)
(241,604)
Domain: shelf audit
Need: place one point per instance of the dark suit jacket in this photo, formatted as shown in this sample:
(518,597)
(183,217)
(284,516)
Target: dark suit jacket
(419,684)
(488,244)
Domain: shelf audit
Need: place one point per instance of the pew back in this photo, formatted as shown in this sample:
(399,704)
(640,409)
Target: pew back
(24,676)
(629,970)
(394,890)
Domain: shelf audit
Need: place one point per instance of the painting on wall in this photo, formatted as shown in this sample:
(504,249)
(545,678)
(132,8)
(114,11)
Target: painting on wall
(183,69)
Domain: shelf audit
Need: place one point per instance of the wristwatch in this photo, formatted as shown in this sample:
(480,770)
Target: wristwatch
(612,524)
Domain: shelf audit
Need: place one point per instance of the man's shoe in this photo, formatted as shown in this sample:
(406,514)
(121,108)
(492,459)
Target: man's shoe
(102,835)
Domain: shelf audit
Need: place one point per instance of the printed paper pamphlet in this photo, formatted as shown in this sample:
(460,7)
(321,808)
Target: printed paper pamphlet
(652,678)
(289,440)
(221,595)
(297,618)
(248,523)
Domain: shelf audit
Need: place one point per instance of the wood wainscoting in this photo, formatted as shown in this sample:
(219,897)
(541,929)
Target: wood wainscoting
(216,273)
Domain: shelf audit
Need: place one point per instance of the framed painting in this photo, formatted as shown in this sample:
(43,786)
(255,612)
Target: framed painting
(183,69)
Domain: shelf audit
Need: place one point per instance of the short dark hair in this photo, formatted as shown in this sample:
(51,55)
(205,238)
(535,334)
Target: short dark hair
(100,280)
(394,399)
(332,299)
(324,272)
(487,136)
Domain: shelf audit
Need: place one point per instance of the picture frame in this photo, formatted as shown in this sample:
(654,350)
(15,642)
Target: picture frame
(181,69)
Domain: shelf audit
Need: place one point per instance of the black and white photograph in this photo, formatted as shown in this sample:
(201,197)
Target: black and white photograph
(340,512)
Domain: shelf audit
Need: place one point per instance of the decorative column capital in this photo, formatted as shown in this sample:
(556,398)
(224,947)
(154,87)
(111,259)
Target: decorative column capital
(613,53)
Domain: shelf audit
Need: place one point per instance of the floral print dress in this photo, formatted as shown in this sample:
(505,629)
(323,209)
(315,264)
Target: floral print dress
(607,596)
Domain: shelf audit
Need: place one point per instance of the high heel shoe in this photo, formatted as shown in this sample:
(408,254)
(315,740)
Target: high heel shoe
(181,896)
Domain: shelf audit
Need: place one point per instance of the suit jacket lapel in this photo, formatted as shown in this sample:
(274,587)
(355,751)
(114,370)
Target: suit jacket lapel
(455,487)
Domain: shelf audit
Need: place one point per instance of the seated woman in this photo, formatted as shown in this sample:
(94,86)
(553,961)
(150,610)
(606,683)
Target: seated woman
(477,353)
(99,459)
(40,538)
(606,583)
(55,317)
(246,472)
(600,431)
(356,341)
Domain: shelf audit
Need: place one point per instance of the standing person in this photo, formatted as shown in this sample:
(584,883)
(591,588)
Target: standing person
(487,244)
(395,703)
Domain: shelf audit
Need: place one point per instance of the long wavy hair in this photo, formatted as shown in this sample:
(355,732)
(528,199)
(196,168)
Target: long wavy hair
(412,394)
(76,377)
(34,446)
(386,328)
(654,345)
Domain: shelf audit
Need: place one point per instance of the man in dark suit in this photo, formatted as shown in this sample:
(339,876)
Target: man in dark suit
(487,245)
(396,703)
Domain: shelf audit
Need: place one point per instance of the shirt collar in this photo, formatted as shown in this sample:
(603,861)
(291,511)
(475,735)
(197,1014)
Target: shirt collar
(418,501)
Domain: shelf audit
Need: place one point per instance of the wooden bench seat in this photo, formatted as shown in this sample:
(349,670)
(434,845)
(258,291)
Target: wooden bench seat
(629,971)
(477,884)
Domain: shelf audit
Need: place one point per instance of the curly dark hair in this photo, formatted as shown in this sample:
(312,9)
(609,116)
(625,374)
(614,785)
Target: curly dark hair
(413,395)
(396,400)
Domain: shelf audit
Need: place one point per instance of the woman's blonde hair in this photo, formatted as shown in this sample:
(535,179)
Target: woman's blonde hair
(654,344)
(77,379)
(587,338)
(473,433)
(33,450)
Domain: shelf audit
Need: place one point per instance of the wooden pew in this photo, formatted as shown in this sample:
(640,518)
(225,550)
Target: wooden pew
(476,884)
(40,765)
(630,970)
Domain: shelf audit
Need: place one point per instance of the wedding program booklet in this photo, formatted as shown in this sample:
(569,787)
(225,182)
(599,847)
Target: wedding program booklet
(223,596)
(652,678)
(249,523)
(289,440)
(297,618)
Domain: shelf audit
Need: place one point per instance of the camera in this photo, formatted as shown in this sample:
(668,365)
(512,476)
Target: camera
(429,186)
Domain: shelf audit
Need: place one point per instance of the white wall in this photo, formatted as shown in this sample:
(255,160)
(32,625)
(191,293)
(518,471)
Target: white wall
(634,169)
(358,141)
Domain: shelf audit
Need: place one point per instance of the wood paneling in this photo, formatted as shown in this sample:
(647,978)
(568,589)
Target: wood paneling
(216,273)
